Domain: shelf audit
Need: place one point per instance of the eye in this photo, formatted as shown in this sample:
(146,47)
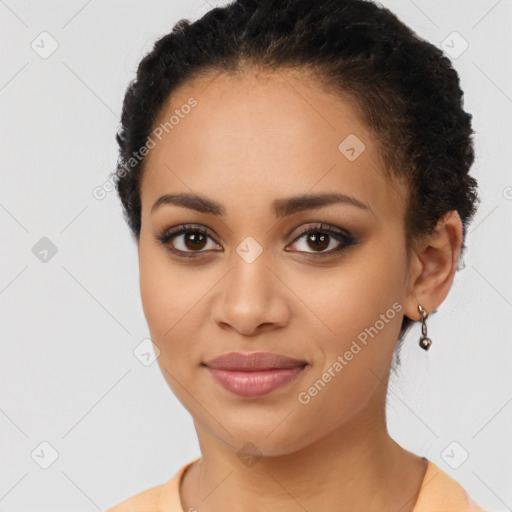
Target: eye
(321,237)
(191,240)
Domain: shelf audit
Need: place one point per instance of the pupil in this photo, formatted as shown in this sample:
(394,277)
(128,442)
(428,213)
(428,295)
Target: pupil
(193,240)
(323,240)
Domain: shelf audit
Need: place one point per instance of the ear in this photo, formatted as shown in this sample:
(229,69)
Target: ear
(433,264)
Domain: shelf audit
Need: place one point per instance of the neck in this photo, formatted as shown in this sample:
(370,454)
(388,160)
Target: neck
(355,467)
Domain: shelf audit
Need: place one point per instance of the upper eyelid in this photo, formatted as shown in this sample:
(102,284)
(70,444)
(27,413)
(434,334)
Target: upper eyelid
(184,228)
(320,226)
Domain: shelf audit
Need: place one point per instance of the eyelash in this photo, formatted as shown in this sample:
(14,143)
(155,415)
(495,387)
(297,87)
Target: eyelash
(346,240)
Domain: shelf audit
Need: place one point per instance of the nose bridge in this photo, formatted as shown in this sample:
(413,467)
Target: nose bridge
(251,295)
(250,279)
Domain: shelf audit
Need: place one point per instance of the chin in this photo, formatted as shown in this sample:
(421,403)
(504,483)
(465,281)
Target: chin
(263,440)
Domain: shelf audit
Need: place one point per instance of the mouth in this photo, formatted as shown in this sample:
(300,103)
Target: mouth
(252,375)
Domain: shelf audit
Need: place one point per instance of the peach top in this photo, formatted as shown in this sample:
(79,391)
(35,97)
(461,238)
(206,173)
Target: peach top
(439,493)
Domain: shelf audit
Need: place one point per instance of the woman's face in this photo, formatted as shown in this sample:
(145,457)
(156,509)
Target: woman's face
(254,281)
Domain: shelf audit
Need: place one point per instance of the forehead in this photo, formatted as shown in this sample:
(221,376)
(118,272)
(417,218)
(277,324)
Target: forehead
(249,139)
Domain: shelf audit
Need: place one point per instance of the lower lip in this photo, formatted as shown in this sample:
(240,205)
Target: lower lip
(254,384)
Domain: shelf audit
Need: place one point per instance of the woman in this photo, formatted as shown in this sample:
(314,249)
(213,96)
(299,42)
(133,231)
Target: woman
(295,176)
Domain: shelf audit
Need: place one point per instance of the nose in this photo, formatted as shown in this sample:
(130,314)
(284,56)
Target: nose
(251,299)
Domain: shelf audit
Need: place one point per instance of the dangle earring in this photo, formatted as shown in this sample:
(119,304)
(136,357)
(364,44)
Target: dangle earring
(424,341)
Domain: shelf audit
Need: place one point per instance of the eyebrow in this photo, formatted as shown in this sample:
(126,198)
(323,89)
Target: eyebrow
(282,207)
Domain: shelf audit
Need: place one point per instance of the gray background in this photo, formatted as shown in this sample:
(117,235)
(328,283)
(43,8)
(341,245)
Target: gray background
(69,325)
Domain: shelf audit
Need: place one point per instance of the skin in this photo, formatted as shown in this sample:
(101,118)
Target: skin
(252,139)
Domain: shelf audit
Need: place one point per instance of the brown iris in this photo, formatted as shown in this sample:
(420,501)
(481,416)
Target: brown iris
(320,241)
(195,240)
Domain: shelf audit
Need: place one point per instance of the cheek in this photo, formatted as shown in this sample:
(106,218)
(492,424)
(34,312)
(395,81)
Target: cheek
(167,307)
(363,310)
(164,299)
(360,303)
(354,297)
(173,301)
(155,284)
(161,286)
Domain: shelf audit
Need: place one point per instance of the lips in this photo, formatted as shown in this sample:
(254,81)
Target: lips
(252,375)
(253,361)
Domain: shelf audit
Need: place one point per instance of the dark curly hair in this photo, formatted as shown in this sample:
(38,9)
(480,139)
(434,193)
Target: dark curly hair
(404,88)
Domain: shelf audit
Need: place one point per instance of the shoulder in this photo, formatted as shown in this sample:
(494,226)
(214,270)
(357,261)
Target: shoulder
(140,502)
(157,498)
(439,491)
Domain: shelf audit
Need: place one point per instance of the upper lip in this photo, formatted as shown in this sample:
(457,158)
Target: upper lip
(253,361)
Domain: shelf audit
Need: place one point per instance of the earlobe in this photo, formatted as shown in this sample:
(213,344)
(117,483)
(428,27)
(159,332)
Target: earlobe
(433,266)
